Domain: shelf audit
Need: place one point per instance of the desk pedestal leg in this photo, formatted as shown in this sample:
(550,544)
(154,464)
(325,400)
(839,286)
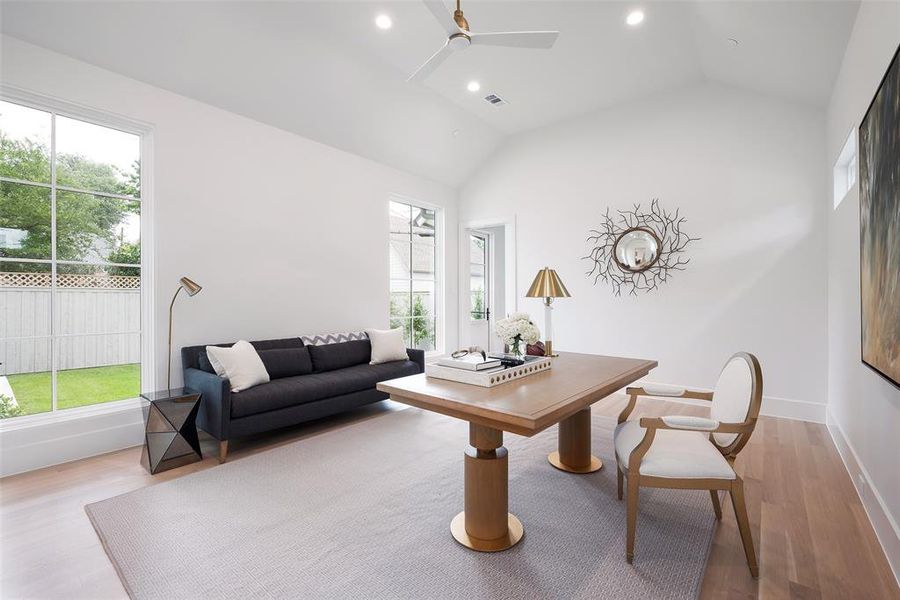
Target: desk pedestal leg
(486,524)
(574,454)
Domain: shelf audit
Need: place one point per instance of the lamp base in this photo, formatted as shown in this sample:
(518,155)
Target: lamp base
(548,349)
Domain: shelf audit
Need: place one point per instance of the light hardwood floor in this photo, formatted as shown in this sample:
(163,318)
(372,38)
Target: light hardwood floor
(811,532)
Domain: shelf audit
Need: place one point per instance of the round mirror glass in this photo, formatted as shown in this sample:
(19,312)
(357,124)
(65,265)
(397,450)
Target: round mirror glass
(636,249)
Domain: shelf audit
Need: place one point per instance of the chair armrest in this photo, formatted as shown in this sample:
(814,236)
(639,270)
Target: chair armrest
(214,415)
(418,357)
(668,391)
(694,424)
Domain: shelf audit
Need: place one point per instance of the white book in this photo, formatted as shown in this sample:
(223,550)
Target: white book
(469,363)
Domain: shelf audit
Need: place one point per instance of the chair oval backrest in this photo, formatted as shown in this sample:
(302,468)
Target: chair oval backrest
(737,398)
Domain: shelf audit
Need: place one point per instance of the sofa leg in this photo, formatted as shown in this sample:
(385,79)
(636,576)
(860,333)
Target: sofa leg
(223,451)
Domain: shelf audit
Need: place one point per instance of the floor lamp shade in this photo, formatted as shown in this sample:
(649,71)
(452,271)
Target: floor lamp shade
(548,285)
(192,288)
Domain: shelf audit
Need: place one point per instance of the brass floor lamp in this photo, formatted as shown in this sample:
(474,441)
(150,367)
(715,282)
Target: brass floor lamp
(192,288)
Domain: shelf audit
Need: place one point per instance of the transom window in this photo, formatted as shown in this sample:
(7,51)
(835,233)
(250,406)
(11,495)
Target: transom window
(70,262)
(414,277)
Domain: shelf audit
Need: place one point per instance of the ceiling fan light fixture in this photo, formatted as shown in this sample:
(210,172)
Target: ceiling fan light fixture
(473,86)
(635,17)
(383,22)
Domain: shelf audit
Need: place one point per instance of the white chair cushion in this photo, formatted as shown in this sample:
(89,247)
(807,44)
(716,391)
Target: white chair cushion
(731,398)
(659,389)
(673,454)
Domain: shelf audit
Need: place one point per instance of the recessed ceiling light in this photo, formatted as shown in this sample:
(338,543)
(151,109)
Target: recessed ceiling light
(635,17)
(383,22)
(473,86)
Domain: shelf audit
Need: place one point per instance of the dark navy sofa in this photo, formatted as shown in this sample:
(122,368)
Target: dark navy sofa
(307,383)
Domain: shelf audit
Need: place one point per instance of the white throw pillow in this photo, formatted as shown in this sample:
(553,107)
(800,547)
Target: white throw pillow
(387,345)
(240,364)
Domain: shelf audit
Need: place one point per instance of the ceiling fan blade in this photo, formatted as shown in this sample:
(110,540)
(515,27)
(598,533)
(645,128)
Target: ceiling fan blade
(432,63)
(443,16)
(516,39)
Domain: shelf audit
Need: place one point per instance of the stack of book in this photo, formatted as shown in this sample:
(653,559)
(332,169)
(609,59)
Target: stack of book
(472,362)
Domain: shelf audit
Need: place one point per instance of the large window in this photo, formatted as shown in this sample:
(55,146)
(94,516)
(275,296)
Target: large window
(414,274)
(70,262)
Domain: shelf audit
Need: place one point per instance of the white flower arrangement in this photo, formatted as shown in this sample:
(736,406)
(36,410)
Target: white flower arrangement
(517,328)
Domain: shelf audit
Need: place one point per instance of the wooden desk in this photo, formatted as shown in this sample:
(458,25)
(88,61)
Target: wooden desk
(562,395)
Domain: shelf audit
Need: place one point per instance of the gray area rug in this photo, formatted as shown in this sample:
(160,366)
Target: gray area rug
(364,512)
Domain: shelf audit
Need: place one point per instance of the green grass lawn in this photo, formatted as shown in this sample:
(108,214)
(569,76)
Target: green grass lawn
(76,387)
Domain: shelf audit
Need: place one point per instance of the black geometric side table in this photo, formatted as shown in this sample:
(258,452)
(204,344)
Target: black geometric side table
(170,438)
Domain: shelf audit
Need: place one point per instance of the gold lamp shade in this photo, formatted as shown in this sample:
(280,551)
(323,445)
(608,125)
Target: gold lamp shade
(190,286)
(547,284)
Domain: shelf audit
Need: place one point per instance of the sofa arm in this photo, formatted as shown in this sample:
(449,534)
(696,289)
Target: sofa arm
(418,357)
(214,415)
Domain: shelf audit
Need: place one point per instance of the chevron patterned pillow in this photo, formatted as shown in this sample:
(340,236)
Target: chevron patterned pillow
(333,338)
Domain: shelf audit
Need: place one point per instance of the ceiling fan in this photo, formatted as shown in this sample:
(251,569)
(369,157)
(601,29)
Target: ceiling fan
(461,37)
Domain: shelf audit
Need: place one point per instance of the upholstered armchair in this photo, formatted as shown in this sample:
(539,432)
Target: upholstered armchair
(693,452)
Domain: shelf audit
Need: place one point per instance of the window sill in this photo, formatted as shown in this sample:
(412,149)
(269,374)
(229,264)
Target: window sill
(70,414)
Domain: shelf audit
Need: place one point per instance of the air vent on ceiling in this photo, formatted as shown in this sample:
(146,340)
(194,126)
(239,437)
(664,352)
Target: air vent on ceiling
(495,100)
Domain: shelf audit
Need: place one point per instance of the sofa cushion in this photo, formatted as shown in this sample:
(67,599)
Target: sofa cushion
(331,357)
(286,362)
(294,342)
(203,362)
(291,391)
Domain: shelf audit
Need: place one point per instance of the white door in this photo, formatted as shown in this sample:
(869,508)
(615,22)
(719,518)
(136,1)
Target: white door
(480,317)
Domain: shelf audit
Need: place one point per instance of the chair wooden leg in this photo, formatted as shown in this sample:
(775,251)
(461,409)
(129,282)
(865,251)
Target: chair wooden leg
(632,499)
(714,494)
(223,451)
(740,512)
(619,480)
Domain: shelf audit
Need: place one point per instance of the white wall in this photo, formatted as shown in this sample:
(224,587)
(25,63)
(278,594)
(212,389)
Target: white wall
(746,172)
(286,235)
(863,408)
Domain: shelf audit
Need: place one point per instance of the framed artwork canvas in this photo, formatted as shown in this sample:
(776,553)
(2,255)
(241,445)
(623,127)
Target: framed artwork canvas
(879,227)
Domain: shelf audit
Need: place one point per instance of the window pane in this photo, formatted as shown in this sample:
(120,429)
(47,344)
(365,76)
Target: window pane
(407,333)
(423,299)
(24,299)
(98,368)
(24,143)
(422,225)
(400,252)
(476,250)
(91,300)
(97,229)
(423,334)
(25,385)
(24,221)
(478,305)
(400,300)
(423,262)
(95,158)
(400,218)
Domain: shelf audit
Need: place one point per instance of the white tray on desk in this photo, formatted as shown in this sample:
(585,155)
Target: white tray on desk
(494,378)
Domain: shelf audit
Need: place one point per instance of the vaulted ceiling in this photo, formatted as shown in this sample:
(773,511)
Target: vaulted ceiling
(323,70)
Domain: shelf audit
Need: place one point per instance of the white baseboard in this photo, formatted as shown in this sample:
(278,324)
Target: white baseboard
(772,406)
(883,523)
(45,442)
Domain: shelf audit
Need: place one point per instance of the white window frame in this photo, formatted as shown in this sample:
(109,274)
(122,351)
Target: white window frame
(439,305)
(144,130)
(846,168)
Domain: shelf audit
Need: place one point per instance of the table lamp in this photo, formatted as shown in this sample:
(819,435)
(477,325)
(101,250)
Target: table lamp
(547,285)
(192,288)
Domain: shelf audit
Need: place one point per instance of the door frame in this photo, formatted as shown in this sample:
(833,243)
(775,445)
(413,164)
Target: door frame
(510,285)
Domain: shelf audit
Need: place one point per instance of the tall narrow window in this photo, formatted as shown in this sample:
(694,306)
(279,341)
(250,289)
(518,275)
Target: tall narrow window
(414,277)
(70,262)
